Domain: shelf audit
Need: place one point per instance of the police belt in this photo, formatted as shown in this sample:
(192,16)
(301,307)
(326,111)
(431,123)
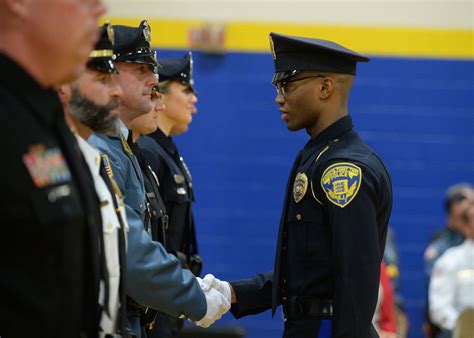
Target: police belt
(306,307)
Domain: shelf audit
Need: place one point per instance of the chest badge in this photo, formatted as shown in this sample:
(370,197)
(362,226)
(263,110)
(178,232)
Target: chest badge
(341,183)
(300,186)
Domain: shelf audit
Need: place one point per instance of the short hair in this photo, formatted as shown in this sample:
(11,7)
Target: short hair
(456,194)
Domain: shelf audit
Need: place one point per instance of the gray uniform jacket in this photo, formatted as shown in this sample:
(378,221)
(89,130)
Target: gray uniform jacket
(153,277)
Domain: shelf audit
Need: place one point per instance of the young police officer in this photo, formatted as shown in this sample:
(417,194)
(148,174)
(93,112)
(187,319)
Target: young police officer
(337,203)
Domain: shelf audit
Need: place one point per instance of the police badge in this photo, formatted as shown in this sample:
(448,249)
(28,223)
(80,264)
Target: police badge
(110,34)
(146,31)
(300,186)
(272,47)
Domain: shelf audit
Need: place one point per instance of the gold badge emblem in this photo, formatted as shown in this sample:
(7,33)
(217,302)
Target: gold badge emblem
(272,47)
(300,186)
(110,34)
(146,31)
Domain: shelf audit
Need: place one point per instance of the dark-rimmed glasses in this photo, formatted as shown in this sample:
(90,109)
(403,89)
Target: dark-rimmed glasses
(282,87)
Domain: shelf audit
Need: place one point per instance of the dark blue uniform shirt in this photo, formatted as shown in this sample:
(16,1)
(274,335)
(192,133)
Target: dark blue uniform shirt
(332,233)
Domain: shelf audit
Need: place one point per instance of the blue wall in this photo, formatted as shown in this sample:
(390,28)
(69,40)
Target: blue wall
(417,114)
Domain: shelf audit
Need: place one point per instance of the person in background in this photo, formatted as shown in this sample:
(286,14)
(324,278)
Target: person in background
(50,259)
(176,186)
(384,318)
(391,260)
(456,199)
(451,289)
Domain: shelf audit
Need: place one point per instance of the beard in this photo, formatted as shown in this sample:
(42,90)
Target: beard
(97,117)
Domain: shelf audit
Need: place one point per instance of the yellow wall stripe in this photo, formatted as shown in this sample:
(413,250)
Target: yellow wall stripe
(387,41)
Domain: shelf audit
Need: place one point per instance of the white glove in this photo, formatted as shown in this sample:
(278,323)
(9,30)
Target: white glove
(210,281)
(217,305)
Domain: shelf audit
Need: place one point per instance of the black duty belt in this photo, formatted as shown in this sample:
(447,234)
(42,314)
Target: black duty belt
(306,307)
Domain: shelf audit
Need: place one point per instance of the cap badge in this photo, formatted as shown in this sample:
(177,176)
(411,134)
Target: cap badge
(272,47)
(110,34)
(146,32)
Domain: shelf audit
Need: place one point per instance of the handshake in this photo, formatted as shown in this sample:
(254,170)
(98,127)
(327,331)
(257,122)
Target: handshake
(218,298)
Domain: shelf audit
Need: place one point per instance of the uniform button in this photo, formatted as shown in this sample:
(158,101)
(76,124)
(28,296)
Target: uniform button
(298,217)
(283,248)
(141,206)
(109,225)
(283,281)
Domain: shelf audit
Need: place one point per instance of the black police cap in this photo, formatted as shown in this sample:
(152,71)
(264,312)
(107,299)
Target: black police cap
(102,57)
(180,70)
(132,44)
(293,53)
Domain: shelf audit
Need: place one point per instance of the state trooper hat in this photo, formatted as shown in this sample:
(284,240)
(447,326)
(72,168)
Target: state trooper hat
(132,44)
(180,70)
(102,57)
(292,54)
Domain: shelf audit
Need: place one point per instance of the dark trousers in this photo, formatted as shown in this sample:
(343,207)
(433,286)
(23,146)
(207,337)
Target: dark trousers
(302,328)
(166,327)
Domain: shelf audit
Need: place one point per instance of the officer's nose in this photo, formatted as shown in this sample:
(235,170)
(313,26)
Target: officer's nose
(279,100)
(116,89)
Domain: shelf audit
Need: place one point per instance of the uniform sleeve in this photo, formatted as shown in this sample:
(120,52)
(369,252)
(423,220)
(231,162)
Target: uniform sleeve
(254,295)
(348,192)
(441,293)
(155,278)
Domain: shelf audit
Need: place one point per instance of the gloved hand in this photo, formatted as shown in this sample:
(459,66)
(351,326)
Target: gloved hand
(217,304)
(210,281)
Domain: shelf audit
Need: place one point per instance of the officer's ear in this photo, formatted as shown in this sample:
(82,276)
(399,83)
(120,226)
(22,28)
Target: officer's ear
(65,93)
(326,88)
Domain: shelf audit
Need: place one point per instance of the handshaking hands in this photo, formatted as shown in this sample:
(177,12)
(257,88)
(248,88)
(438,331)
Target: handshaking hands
(218,297)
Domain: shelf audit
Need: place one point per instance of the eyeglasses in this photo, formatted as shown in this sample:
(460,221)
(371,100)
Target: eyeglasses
(282,87)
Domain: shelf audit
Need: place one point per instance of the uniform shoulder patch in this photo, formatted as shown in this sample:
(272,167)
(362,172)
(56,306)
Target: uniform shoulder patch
(341,182)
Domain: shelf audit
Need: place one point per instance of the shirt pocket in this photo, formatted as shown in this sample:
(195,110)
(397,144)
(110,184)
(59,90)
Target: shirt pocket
(57,205)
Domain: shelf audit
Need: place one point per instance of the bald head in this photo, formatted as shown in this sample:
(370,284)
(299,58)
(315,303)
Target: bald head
(50,39)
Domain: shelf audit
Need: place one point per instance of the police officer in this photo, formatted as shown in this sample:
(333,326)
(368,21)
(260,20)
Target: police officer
(337,204)
(156,219)
(49,210)
(88,104)
(179,98)
(154,278)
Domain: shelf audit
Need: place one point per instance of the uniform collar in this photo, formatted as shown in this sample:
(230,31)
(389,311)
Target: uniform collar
(339,127)
(123,129)
(165,141)
(91,155)
(43,102)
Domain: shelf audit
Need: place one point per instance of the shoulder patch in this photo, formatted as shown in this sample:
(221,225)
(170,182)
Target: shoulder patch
(341,182)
